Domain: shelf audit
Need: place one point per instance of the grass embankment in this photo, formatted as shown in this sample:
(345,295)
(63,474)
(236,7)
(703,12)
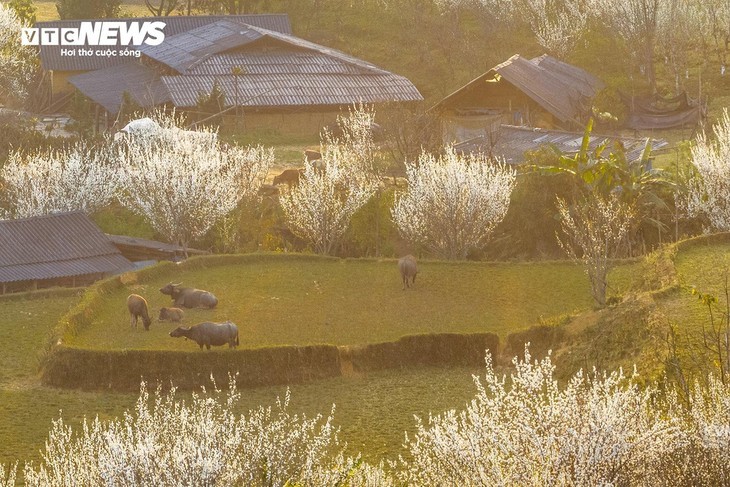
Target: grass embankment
(289,300)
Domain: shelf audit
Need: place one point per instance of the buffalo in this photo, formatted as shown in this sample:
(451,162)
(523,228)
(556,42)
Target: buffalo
(137,307)
(189,297)
(408,270)
(172,314)
(288,176)
(208,334)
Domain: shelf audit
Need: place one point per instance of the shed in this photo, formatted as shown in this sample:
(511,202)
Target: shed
(65,249)
(140,249)
(539,92)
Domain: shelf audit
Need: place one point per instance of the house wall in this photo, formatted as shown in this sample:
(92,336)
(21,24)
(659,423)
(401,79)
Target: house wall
(304,123)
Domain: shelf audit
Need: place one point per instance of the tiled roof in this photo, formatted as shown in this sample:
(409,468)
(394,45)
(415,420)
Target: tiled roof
(51,58)
(57,245)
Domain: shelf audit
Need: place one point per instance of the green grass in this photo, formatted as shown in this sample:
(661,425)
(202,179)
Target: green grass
(374,410)
(46,10)
(285,300)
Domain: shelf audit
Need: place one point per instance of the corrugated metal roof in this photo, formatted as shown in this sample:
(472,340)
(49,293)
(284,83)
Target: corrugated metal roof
(181,51)
(580,79)
(512,142)
(107,86)
(561,89)
(58,245)
(273,90)
(275,62)
(278,72)
(51,58)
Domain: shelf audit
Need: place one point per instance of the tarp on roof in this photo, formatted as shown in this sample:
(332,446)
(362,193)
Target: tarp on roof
(53,246)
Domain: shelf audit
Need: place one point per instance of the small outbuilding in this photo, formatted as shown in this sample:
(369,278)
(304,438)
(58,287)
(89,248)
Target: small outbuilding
(540,92)
(62,249)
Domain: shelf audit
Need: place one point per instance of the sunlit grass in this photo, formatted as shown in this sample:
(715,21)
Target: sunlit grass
(277,300)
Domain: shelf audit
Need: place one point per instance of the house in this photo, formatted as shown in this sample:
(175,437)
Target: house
(540,92)
(510,143)
(60,67)
(62,249)
(276,80)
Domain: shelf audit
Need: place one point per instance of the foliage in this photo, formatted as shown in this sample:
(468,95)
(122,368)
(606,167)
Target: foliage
(320,207)
(708,191)
(25,10)
(79,177)
(594,230)
(212,103)
(17,64)
(409,133)
(183,182)
(557,25)
(83,9)
(453,203)
(371,231)
(164,441)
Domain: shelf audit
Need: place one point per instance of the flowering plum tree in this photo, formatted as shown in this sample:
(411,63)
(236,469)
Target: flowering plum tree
(79,177)
(600,429)
(594,229)
(183,182)
(709,191)
(453,203)
(168,442)
(320,207)
(16,67)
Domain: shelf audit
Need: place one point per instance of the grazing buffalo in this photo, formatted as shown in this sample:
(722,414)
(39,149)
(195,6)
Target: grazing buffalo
(189,297)
(172,314)
(408,270)
(288,176)
(208,334)
(137,307)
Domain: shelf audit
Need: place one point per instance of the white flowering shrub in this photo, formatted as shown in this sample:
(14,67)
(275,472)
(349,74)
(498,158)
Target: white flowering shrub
(557,26)
(709,191)
(8,475)
(183,182)
(354,147)
(79,177)
(594,230)
(16,66)
(204,442)
(320,207)
(600,429)
(453,203)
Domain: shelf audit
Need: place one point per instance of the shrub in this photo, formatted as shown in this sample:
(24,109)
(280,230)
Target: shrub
(165,441)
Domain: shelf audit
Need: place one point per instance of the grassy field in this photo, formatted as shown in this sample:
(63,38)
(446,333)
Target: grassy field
(284,300)
(349,298)
(374,410)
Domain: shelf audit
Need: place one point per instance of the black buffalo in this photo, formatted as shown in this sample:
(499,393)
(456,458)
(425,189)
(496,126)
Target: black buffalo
(207,333)
(190,297)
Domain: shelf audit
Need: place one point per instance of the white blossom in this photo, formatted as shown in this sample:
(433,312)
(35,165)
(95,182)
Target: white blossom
(165,441)
(320,207)
(183,182)
(453,203)
(594,230)
(600,429)
(76,178)
(709,191)
(16,68)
